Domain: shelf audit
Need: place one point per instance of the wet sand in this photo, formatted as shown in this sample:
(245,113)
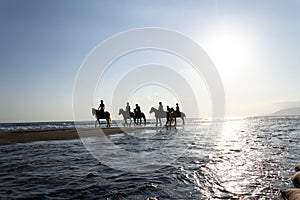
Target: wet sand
(12,137)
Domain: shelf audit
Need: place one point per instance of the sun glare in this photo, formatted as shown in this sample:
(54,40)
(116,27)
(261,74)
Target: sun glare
(229,50)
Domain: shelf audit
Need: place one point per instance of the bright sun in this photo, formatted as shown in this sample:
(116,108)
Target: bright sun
(229,50)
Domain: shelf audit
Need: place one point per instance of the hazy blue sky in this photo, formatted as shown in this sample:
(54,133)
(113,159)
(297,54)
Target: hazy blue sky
(254,44)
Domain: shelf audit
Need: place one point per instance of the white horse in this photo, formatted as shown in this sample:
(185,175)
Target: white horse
(158,115)
(126,116)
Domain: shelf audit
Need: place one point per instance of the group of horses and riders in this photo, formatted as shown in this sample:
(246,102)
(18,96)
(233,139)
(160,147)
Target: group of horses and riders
(137,115)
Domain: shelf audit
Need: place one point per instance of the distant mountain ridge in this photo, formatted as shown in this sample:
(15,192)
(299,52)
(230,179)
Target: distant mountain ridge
(288,111)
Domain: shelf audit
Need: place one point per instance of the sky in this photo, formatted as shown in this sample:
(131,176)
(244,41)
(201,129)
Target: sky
(254,45)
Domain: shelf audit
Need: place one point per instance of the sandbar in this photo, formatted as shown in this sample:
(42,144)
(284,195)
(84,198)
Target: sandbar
(23,136)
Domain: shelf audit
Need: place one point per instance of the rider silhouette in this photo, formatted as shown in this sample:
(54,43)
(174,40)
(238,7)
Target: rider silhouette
(137,109)
(160,107)
(128,108)
(177,109)
(101,107)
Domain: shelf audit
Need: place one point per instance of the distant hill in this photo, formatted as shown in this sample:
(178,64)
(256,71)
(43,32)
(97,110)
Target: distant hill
(288,111)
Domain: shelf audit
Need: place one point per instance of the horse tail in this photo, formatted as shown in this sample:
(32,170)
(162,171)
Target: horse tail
(93,111)
(109,119)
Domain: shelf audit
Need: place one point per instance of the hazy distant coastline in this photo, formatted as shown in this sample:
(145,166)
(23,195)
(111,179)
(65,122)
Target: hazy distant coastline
(288,111)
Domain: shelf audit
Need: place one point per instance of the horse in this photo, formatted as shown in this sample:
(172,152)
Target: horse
(139,116)
(126,116)
(170,116)
(99,115)
(180,115)
(158,114)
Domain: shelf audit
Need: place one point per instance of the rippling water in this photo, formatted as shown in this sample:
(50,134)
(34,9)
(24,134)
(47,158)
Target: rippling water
(251,158)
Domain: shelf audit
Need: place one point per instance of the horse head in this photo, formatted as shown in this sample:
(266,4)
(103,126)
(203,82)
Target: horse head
(152,110)
(93,111)
(121,111)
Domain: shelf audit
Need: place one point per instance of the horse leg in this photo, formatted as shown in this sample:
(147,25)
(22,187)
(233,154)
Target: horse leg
(145,120)
(159,121)
(182,120)
(167,121)
(136,121)
(108,122)
(175,122)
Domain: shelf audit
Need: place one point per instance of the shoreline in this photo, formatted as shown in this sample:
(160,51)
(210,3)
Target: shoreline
(25,136)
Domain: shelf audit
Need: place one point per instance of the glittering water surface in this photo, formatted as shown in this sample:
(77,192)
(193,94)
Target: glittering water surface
(251,158)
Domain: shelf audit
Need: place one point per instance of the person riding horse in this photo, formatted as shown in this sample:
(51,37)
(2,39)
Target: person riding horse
(101,107)
(101,114)
(137,110)
(126,114)
(178,113)
(160,107)
(128,108)
(138,115)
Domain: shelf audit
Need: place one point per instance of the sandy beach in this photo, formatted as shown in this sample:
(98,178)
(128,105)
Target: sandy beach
(12,137)
(23,136)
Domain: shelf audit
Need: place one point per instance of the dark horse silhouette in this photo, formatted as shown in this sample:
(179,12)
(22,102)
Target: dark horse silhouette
(170,117)
(126,116)
(175,114)
(99,115)
(139,116)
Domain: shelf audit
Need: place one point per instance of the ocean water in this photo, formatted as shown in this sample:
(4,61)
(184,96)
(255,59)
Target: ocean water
(251,158)
(59,125)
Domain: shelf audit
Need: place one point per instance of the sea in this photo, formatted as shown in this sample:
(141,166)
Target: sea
(249,158)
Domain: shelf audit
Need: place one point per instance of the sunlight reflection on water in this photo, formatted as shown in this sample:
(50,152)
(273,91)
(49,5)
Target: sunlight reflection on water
(250,159)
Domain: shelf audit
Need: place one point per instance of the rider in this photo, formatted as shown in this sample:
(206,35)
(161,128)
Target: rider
(177,110)
(160,107)
(137,109)
(128,108)
(101,107)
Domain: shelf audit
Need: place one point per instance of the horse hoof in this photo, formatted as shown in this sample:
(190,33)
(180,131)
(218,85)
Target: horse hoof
(296,179)
(291,194)
(297,168)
